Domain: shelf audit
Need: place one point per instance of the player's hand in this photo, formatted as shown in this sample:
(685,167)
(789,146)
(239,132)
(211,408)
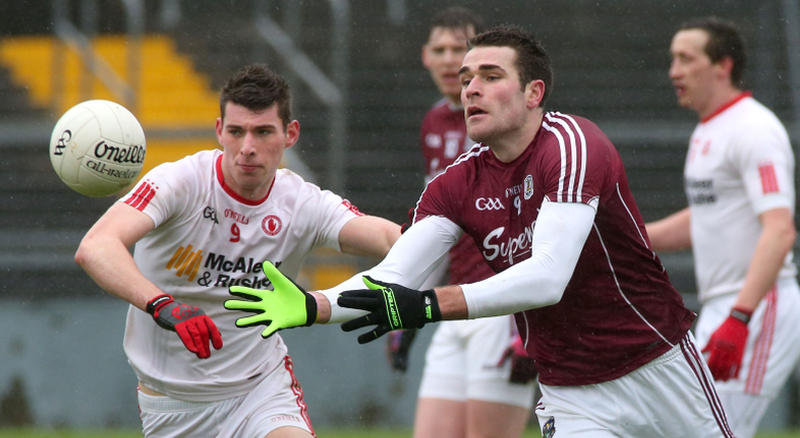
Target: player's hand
(193,326)
(522,366)
(398,346)
(287,305)
(390,307)
(726,346)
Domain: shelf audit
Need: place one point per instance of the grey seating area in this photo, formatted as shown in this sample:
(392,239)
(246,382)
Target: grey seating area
(610,61)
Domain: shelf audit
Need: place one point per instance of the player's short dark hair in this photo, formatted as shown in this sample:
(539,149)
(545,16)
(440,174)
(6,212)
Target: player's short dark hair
(532,61)
(723,41)
(457,17)
(257,88)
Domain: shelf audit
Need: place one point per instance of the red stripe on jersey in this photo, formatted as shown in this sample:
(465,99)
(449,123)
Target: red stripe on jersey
(352,207)
(298,392)
(769,182)
(727,105)
(758,365)
(142,196)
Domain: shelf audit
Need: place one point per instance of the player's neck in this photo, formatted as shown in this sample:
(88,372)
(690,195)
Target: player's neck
(453,101)
(514,143)
(719,99)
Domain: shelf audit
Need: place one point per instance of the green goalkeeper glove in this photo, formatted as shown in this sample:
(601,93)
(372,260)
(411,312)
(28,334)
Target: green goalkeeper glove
(286,306)
(391,307)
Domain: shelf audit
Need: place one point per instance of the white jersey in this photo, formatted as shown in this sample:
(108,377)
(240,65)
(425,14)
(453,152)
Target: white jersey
(206,239)
(739,164)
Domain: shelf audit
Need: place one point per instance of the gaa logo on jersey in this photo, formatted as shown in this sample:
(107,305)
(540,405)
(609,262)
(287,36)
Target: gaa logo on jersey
(271,225)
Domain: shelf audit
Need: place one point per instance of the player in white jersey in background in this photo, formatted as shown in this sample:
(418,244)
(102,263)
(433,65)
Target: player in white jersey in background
(739,181)
(475,383)
(199,226)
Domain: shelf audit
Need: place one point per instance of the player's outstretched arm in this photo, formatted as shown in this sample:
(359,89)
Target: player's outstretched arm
(287,305)
(103,254)
(670,233)
(369,236)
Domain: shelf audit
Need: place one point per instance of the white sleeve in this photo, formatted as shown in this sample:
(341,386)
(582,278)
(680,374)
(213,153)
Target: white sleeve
(558,237)
(412,259)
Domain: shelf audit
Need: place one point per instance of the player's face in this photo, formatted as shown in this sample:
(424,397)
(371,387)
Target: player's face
(494,103)
(442,56)
(692,73)
(253,143)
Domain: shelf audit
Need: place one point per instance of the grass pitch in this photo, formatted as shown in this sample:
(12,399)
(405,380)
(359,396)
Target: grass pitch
(322,433)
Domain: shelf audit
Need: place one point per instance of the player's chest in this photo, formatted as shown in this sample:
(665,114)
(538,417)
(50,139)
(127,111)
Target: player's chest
(502,216)
(233,229)
(708,169)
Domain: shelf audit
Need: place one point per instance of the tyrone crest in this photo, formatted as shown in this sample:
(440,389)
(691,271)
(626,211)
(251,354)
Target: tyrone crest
(271,225)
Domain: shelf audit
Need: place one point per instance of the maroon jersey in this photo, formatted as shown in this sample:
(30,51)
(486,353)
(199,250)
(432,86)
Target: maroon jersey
(619,310)
(443,137)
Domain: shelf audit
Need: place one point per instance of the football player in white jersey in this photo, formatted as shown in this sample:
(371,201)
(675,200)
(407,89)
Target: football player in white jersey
(739,181)
(200,225)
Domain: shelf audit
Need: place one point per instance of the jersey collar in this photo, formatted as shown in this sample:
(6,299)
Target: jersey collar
(232,193)
(727,105)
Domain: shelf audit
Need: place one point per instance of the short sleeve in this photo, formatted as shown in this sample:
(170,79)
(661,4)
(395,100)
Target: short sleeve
(330,213)
(576,164)
(764,160)
(164,191)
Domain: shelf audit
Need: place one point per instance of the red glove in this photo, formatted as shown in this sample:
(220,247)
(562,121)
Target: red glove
(726,346)
(193,326)
(522,365)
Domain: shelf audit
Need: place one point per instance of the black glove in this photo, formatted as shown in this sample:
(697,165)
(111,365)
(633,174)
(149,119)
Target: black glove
(391,307)
(398,346)
(193,326)
(523,367)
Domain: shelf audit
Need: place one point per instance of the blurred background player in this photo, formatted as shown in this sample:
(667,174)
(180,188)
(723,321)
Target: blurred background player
(200,225)
(739,181)
(475,382)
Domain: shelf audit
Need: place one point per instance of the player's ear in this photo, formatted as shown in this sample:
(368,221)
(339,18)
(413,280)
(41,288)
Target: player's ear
(292,133)
(534,93)
(725,66)
(219,130)
(424,56)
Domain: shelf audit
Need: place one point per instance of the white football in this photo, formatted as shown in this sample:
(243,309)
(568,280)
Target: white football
(97,148)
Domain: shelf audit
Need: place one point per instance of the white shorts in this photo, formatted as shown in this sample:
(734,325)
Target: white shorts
(771,353)
(462,363)
(275,401)
(671,396)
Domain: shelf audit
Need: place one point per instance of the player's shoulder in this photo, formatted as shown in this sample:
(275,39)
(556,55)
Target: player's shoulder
(465,165)
(573,132)
(442,109)
(750,112)
(570,123)
(285,177)
(290,185)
